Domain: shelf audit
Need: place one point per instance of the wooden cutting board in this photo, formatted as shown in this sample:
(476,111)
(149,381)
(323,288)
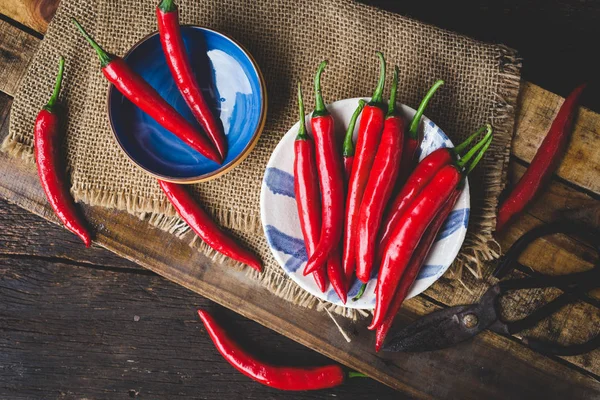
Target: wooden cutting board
(491,366)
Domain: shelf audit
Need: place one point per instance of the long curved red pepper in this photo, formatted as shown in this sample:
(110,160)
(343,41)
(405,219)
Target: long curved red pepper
(544,163)
(140,93)
(306,188)
(369,136)
(283,378)
(412,270)
(413,224)
(167,16)
(46,136)
(380,186)
(201,223)
(348,148)
(331,179)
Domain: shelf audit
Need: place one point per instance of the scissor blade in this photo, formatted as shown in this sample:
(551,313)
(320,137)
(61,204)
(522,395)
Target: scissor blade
(438,330)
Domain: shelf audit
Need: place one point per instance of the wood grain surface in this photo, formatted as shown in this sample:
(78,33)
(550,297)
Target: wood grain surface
(36,266)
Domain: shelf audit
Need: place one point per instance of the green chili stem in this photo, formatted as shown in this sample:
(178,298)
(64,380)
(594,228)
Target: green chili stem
(54,98)
(348,148)
(377,98)
(356,374)
(464,160)
(302,129)
(414,125)
(459,149)
(360,292)
(480,155)
(392,103)
(105,59)
(167,6)
(320,108)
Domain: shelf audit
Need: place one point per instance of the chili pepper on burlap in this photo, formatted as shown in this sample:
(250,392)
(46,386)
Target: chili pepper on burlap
(167,15)
(204,226)
(348,149)
(50,169)
(278,377)
(544,163)
(412,225)
(331,179)
(379,187)
(140,93)
(369,136)
(306,188)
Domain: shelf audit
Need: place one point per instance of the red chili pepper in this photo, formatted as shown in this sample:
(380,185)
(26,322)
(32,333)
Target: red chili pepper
(140,93)
(410,154)
(331,179)
(205,227)
(167,16)
(283,378)
(412,270)
(335,273)
(306,188)
(47,155)
(411,227)
(348,149)
(379,186)
(369,136)
(544,163)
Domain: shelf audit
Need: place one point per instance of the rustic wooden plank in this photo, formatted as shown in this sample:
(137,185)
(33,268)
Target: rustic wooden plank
(35,14)
(16,50)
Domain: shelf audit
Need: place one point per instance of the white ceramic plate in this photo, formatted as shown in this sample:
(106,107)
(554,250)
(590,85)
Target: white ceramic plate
(280,221)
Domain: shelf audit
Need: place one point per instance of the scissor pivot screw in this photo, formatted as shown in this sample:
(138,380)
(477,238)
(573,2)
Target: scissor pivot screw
(470,320)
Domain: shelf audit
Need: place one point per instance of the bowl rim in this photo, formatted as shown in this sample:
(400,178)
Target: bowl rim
(223,169)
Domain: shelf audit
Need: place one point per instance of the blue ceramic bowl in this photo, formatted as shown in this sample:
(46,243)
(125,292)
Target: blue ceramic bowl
(230,80)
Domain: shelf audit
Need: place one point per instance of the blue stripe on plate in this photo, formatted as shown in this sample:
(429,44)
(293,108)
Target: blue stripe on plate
(288,245)
(280,182)
(455,220)
(428,271)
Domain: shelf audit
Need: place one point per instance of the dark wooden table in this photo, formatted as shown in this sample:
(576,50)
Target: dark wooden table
(79,323)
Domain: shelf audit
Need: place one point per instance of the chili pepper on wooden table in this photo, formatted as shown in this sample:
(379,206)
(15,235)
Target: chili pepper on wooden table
(283,378)
(331,179)
(306,188)
(140,93)
(413,224)
(544,162)
(47,155)
(348,149)
(203,225)
(167,16)
(369,135)
(380,185)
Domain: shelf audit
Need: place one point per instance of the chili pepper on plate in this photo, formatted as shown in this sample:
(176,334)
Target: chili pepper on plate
(379,186)
(348,149)
(306,188)
(47,155)
(167,15)
(544,162)
(279,377)
(331,178)
(414,222)
(369,136)
(203,225)
(140,93)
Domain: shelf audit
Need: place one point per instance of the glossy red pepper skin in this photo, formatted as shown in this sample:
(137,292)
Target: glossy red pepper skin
(282,378)
(167,16)
(201,223)
(421,176)
(336,275)
(544,163)
(413,268)
(140,93)
(348,161)
(407,235)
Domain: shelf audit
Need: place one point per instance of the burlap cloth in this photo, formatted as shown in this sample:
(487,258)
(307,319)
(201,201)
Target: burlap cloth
(288,39)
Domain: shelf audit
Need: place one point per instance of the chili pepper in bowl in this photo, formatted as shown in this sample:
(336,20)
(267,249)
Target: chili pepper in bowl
(47,155)
(278,377)
(140,93)
(331,179)
(379,186)
(203,225)
(167,15)
(544,163)
(412,225)
(306,188)
(348,149)
(369,136)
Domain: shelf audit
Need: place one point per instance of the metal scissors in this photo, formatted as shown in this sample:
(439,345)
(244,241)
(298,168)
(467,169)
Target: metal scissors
(446,328)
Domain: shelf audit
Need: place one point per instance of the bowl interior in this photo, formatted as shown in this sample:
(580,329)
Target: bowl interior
(231,83)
